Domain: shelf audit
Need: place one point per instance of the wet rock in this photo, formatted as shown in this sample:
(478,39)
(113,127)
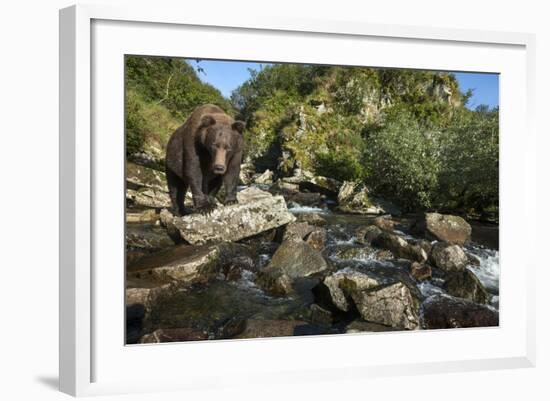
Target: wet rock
(444,227)
(142,296)
(420,271)
(315,219)
(253,328)
(360,326)
(392,305)
(450,258)
(384,223)
(275,282)
(320,316)
(312,199)
(174,335)
(366,234)
(185,264)
(233,270)
(256,211)
(317,239)
(399,247)
(264,178)
(354,197)
(297,259)
(297,230)
(465,284)
(446,312)
(360,253)
(473,260)
(167,221)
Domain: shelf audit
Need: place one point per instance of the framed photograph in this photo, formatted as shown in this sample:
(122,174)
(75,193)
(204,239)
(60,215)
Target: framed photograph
(268,198)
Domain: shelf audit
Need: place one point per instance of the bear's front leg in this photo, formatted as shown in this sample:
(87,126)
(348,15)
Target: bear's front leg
(231,179)
(201,201)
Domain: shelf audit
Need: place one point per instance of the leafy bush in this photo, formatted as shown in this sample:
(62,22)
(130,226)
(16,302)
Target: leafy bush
(342,165)
(402,162)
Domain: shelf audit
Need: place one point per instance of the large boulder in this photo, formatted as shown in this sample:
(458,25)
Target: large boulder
(391,305)
(256,211)
(465,284)
(148,197)
(446,312)
(314,236)
(337,288)
(399,247)
(444,227)
(450,258)
(264,178)
(185,264)
(297,259)
(354,197)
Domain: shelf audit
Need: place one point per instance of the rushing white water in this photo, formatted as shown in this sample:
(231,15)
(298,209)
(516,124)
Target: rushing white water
(305,209)
(488,271)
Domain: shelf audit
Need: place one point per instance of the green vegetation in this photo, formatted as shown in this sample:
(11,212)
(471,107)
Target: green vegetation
(160,94)
(405,133)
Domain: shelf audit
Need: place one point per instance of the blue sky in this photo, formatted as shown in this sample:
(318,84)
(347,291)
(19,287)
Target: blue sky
(228,75)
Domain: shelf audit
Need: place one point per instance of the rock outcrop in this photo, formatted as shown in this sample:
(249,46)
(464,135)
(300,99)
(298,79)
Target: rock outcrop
(446,312)
(450,258)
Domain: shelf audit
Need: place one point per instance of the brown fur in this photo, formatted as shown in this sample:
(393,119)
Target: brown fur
(204,153)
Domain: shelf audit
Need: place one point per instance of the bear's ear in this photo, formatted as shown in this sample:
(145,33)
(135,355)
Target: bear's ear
(238,126)
(207,120)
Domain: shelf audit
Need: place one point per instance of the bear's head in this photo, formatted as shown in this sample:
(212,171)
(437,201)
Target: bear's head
(222,138)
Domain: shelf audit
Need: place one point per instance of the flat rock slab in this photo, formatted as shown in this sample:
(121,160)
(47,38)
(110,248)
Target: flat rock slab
(256,211)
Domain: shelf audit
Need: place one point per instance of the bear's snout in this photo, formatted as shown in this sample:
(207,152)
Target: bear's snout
(219,169)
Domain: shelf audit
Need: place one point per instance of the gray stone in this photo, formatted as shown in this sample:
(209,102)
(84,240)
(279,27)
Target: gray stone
(444,227)
(174,335)
(256,211)
(450,258)
(297,259)
(314,219)
(465,284)
(360,326)
(399,247)
(264,178)
(420,271)
(393,305)
(343,282)
(447,312)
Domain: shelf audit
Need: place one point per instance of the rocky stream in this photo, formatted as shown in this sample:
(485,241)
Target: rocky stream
(296,256)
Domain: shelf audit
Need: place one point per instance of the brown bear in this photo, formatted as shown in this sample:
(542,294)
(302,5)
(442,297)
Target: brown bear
(204,153)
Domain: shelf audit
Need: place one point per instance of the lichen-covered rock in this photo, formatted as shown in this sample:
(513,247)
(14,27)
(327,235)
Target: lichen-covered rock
(384,223)
(256,211)
(444,227)
(149,239)
(354,197)
(264,178)
(446,312)
(174,335)
(359,253)
(297,259)
(420,271)
(399,247)
(317,239)
(338,286)
(450,258)
(392,305)
(185,264)
(144,177)
(465,284)
(146,293)
(297,230)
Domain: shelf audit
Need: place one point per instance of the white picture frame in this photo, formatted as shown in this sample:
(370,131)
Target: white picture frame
(93,358)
